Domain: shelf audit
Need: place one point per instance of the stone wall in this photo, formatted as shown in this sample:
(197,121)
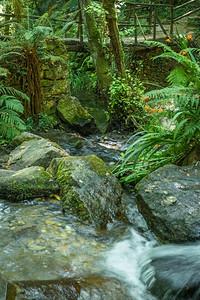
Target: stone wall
(54,72)
(151,72)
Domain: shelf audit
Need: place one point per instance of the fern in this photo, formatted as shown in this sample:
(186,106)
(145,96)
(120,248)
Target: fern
(10,110)
(159,144)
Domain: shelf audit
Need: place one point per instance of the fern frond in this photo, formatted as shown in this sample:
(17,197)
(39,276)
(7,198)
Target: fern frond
(13,92)
(178,77)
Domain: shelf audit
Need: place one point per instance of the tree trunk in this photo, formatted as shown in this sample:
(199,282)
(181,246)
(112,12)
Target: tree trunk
(116,45)
(96,47)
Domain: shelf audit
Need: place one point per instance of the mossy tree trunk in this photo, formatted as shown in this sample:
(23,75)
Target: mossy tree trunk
(116,45)
(96,47)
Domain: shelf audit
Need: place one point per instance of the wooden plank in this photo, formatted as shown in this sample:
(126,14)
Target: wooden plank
(171,20)
(154,23)
(161,25)
(135,23)
(129,25)
(147,4)
(187,14)
(185,4)
(36,17)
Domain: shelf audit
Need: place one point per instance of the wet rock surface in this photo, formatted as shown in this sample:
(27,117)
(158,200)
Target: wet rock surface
(88,189)
(35,152)
(26,183)
(84,288)
(173,272)
(169,200)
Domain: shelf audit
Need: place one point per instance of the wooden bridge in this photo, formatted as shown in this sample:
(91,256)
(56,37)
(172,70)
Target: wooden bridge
(144,20)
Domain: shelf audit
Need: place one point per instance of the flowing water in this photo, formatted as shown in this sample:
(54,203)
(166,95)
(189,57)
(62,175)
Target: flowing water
(37,241)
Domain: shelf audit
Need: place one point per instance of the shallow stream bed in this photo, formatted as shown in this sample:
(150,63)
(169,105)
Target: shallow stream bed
(39,242)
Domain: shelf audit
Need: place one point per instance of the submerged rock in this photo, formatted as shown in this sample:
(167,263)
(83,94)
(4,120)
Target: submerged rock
(27,183)
(88,189)
(34,152)
(169,200)
(85,288)
(72,113)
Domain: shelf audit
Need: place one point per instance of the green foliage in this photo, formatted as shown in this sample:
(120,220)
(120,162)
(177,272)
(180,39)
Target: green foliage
(82,73)
(10,110)
(42,122)
(174,127)
(125,104)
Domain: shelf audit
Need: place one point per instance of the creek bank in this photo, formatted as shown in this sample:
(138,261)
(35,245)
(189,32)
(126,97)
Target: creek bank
(169,200)
(62,289)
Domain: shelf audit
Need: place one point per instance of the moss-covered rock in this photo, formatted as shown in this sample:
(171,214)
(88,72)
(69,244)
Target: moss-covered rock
(87,188)
(34,152)
(72,113)
(26,183)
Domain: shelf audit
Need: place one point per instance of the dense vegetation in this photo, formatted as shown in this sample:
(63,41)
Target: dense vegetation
(166,121)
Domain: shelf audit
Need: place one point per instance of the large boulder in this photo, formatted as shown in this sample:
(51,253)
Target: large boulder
(72,113)
(169,200)
(34,152)
(88,190)
(172,271)
(23,137)
(69,288)
(27,183)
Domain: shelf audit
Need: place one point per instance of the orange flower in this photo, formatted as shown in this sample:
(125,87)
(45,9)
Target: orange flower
(188,174)
(154,110)
(189,37)
(146,107)
(149,112)
(183,52)
(168,40)
(145,99)
(160,110)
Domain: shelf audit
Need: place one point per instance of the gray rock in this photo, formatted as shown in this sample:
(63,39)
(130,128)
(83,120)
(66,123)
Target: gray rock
(35,152)
(72,113)
(169,200)
(26,183)
(69,288)
(88,190)
(24,137)
(172,271)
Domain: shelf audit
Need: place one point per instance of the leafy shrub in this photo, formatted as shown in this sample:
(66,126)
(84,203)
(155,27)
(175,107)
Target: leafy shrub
(174,128)
(42,122)
(125,103)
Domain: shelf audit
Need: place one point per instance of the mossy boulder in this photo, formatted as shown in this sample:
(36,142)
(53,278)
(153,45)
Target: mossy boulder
(35,152)
(26,183)
(169,200)
(87,188)
(72,113)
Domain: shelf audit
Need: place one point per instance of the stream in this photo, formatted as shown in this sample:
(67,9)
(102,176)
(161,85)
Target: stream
(39,242)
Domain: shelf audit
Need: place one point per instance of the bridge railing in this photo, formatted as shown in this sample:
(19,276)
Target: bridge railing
(133,17)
